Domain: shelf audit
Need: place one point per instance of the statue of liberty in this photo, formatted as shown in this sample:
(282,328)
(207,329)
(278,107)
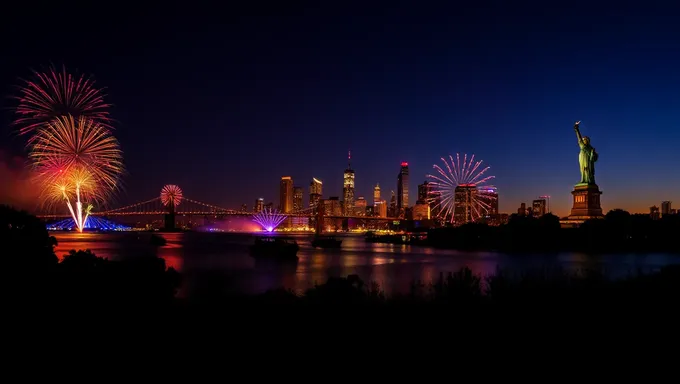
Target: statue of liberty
(586,158)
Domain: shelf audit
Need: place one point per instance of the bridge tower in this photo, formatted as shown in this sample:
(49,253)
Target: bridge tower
(320,211)
(171,196)
(169,220)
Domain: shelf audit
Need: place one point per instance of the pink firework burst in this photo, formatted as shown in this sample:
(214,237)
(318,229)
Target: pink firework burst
(171,195)
(53,94)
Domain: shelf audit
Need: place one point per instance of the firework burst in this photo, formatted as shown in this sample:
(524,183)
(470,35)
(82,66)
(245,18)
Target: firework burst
(53,94)
(76,160)
(171,195)
(78,148)
(269,219)
(459,190)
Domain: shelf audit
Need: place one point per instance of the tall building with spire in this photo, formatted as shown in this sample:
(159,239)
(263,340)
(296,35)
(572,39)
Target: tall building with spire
(376,194)
(348,188)
(377,201)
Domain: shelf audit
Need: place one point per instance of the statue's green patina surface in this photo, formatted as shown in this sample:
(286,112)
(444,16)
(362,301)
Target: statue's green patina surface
(586,158)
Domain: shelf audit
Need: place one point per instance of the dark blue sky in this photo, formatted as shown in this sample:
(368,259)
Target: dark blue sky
(223,100)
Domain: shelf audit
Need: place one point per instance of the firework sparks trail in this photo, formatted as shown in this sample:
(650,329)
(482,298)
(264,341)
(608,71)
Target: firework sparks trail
(54,93)
(470,179)
(269,219)
(76,160)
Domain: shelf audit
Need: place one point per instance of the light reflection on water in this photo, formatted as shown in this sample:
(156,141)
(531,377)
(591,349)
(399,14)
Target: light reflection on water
(221,261)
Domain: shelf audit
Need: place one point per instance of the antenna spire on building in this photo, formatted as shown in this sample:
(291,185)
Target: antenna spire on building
(349,159)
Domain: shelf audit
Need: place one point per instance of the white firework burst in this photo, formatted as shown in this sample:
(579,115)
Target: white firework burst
(460,190)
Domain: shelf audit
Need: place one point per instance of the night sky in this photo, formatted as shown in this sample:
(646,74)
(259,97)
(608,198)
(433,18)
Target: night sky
(223,100)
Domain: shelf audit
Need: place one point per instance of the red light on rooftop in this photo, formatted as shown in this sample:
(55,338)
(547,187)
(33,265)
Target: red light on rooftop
(404,164)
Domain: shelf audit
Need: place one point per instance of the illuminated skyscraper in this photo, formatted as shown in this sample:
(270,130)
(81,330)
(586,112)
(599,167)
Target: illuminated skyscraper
(348,188)
(402,189)
(392,209)
(492,192)
(421,211)
(332,207)
(424,191)
(315,192)
(316,186)
(314,199)
(360,206)
(259,205)
(286,194)
(297,199)
(376,194)
(424,203)
(380,208)
(462,205)
(427,193)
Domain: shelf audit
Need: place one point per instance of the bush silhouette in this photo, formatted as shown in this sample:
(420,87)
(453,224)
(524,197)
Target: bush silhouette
(26,239)
(618,232)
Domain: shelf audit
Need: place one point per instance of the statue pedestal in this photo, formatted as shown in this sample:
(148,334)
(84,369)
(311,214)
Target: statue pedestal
(586,204)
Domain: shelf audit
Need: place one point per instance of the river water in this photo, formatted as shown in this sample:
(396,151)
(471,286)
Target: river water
(219,262)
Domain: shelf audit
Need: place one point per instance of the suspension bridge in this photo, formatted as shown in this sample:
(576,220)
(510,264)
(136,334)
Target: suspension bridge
(183,206)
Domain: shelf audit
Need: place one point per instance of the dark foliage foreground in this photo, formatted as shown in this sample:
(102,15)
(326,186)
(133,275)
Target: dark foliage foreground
(618,231)
(84,283)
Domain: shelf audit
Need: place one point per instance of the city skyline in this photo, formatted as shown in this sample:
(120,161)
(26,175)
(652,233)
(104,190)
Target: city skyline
(498,206)
(225,113)
(276,197)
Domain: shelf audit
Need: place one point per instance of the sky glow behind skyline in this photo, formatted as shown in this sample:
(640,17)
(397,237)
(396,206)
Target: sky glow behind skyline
(223,106)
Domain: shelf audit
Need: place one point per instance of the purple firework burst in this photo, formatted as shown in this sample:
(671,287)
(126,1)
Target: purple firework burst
(269,219)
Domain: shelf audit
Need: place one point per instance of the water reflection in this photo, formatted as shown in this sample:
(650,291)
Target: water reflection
(172,251)
(379,273)
(316,269)
(112,246)
(219,262)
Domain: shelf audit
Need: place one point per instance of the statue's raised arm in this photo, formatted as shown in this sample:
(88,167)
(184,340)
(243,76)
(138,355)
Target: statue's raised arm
(578,132)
